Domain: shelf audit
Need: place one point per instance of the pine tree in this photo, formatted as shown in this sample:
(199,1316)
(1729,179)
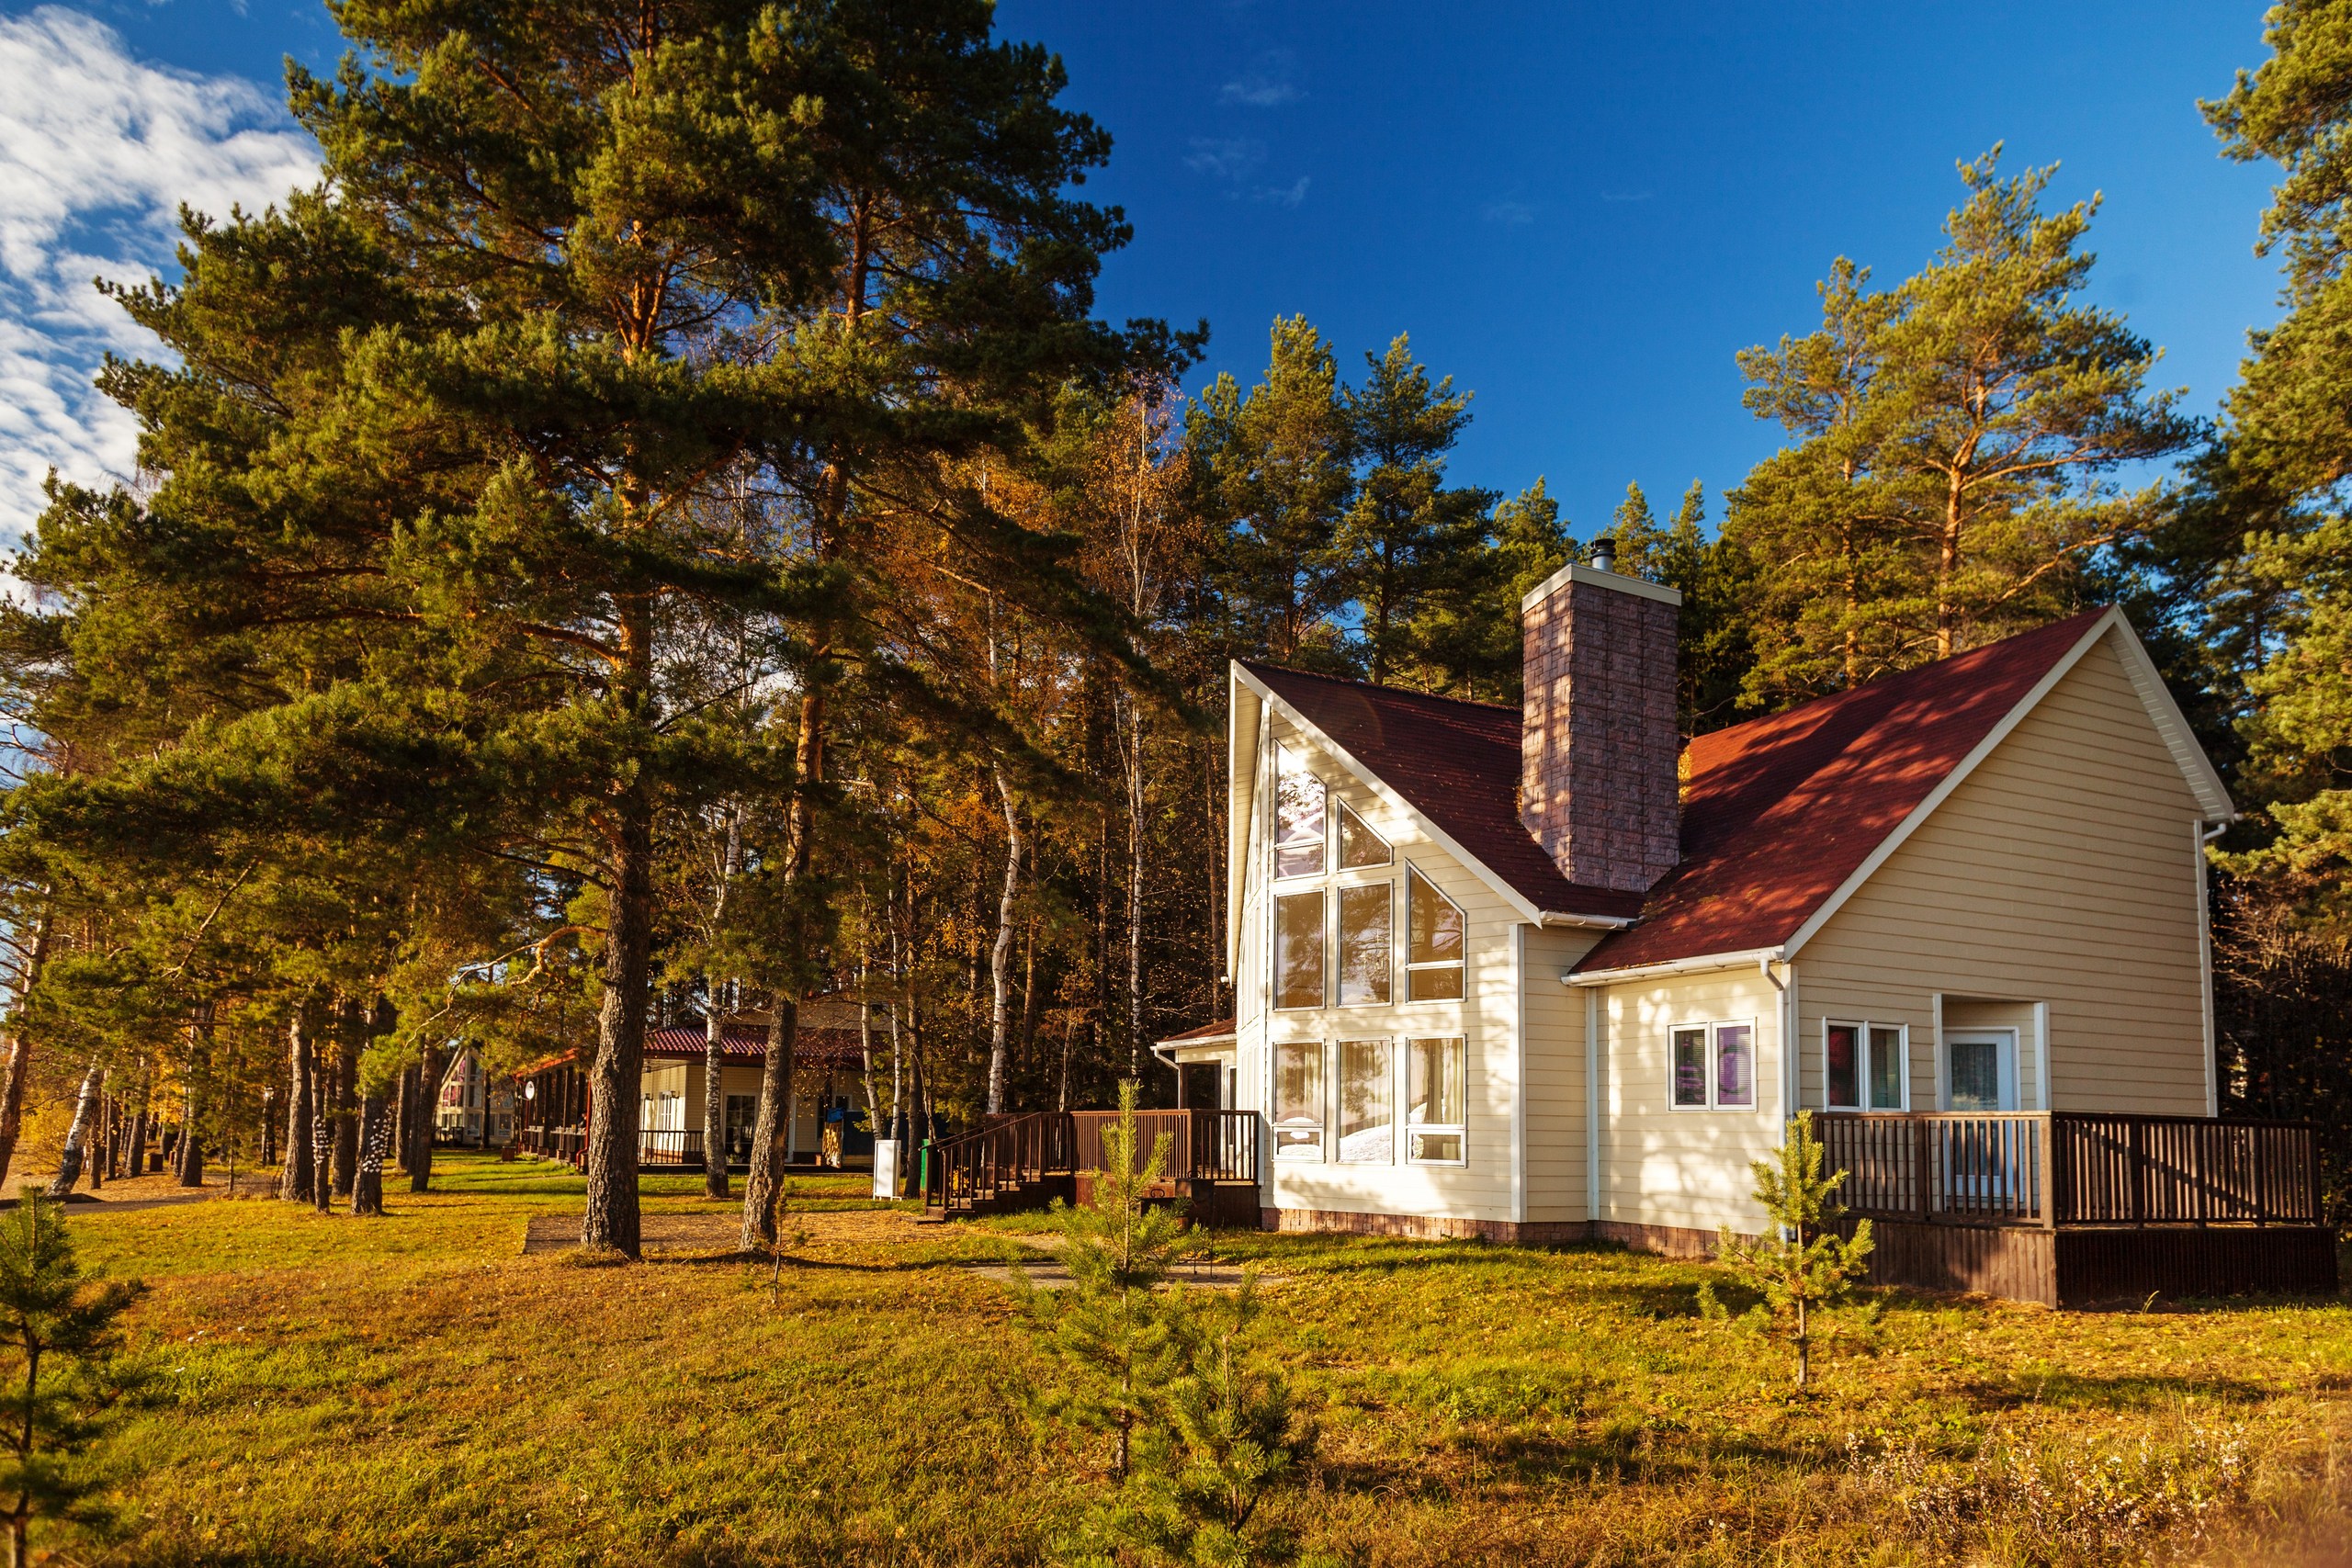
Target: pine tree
(1116,1337)
(2285,608)
(1802,1262)
(1408,535)
(56,1333)
(1276,472)
(1948,488)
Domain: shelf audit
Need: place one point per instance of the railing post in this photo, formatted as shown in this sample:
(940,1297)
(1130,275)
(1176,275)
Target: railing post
(1921,1160)
(2139,1171)
(2048,1130)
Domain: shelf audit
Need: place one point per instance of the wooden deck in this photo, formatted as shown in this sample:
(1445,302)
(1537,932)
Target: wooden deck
(1027,1161)
(2077,1207)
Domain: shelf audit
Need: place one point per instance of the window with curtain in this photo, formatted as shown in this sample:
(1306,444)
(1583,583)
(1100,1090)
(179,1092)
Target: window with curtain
(1298,818)
(1298,1099)
(1433,958)
(1862,1065)
(1298,950)
(1368,1103)
(1367,939)
(1436,1097)
(1711,1066)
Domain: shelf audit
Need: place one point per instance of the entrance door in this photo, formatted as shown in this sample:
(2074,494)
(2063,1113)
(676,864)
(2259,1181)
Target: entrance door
(1984,1068)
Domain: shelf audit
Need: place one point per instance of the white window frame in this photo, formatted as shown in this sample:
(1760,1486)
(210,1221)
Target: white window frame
(1335,961)
(1301,1154)
(1406,970)
(1406,1126)
(1714,1028)
(1338,1137)
(1862,1028)
(1325,846)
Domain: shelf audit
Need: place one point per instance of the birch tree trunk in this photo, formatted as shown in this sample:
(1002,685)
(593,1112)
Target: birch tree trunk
(375,1137)
(714,1098)
(1000,951)
(301,1106)
(77,1137)
(321,1141)
(20,1049)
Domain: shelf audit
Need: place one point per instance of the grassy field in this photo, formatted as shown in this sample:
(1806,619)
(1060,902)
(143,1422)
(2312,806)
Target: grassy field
(416,1390)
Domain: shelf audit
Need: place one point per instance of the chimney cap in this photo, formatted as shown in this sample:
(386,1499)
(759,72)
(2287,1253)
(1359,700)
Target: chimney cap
(1604,554)
(1578,571)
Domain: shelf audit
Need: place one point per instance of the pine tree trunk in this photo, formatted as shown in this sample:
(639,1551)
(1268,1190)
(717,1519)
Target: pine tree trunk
(200,1058)
(20,1049)
(188,1152)
(301,1106)
(1135,910)
(344,1168)
(138,1160)
(611,1216)
(77,1138)
(1000,949)
(97,1158)
(428,1096)
(764,1174)
(714,1099)
(375,1137)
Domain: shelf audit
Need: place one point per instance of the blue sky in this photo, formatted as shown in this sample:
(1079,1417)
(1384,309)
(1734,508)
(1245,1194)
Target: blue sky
(1579,211)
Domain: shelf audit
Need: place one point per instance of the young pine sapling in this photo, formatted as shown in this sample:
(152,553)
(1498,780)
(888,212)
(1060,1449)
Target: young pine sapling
(55,1334)
(1802,1262)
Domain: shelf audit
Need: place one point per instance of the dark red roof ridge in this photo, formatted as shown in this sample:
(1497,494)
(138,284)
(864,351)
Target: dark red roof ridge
(1258,666)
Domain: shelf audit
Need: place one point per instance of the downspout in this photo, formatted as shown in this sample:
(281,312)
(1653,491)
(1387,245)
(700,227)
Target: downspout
(1592,1106)
(1788,1038)
(2204,972)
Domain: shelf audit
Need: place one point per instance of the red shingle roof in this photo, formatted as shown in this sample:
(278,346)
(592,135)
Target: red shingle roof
(1777,813)
(1222,1029)
(1780,811)
(742,1043)
(1455,762)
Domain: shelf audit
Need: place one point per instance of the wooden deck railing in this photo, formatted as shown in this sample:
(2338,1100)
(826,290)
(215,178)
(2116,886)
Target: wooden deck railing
(964,1173)
(670,1146)
(2073,1169)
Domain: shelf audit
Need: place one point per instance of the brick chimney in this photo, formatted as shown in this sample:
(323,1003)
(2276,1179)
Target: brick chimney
(1598,741)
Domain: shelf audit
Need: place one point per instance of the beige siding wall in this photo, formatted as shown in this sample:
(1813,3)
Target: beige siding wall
(685,1078)
(1661,1166)
(2063,871)
(1482,1187)
(1557,1106)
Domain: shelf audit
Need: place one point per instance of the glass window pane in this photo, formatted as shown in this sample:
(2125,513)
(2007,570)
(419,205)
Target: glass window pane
(1298,819)
(1735,1065)
(1886,1069)
(1435,1093)
(1976,1075)
(1442,1146)
(1367,1103)
(1359,845)
(1365,943)
(1437,924)
(1298,950)
(1845,1067)
(1690,1067)
(1440,985)
(1298,1099)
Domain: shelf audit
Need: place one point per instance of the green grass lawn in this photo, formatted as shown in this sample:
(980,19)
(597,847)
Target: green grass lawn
(413,1389)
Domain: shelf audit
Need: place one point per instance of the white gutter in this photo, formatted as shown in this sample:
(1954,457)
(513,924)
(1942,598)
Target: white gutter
(1589,922)
(1760,955)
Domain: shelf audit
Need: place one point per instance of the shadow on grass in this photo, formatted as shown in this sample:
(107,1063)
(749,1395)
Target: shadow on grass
(2072,1391)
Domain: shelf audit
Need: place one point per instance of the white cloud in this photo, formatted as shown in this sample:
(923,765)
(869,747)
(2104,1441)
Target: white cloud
(97,151)
(1290,195)
(1267,87)
(1509,214)
(1225,158)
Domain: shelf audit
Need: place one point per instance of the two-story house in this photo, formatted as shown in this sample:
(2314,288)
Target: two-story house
(1546,974)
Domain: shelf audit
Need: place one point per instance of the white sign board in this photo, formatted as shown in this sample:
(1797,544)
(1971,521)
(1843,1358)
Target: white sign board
(886,1167)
